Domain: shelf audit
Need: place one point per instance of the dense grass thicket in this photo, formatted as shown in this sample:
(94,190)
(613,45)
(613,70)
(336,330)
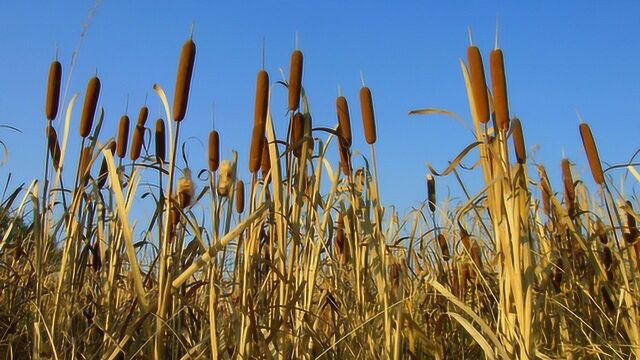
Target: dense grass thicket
(302,260)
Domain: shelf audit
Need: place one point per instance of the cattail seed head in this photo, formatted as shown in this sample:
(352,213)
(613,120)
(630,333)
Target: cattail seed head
(143,115)
(266,160)
(478,84)
(123,136)
(259,121)
(344,121)
(89,107)
(592,153)
(53,90)
(295,80)
(185,189)
(225,173)
(431,192)
(297,132)
(341,245)
(569,188)
(239,196)
(345,159)
(103,175)
(630,232)
(476,254)
(444,248)
(465,239)
(54,146)
(85,160)
(368,118)
(214,151)
(499,85)
(518,142)
(183,79)
(160,140)
(545,191)
(136,142)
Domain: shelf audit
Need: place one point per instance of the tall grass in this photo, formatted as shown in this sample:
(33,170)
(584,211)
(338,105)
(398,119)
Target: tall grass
(303,260)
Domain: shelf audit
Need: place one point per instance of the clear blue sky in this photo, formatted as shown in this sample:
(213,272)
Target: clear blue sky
(561,56)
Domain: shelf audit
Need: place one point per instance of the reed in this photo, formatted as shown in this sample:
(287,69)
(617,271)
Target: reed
(295,80)
(344,121)
(239,196)
(53,90)
(136,142)
(592,153)
(213,155)
(160,140)
(259,121)
(123,136)
(518,142)
(499,86)
(183,80)
(368,118)
(89,107)
(478,84)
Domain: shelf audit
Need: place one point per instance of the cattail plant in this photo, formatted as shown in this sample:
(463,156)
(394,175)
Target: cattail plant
(518,142)
(499,85)
(53,90)
(239,196)
(444,248)
(54,146)
(89,107)
(431,192)
(592,153)
(368,118)
(478,84)
(160,140)
(83,167)
(143,114)
(568,185)
(213,155)
(630,232)
(295,80)
(344,122)
(136,142)
(266,160)
(123,137)
(183,79)
(185,189)
(297,132)
(259,121)
(345,158)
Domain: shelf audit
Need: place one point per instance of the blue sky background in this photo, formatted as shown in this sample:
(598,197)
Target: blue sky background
(561,57)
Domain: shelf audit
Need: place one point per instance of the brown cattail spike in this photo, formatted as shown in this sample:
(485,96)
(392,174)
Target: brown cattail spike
(345,159)
(431,192)
(569,189)
(630,233)
(53,90)
(478,84)
(123,136)
(297,132)
(499,85)
(344,122)
(239,196)
(592,153)
(266,159)
(368,118)
(85,159)
(259,121)
(136,142)
(295,80)
(143,115)
(183,80)
(518,142)
(444,248)
(160,140)
(214,151)
(89,107)
(54,146)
